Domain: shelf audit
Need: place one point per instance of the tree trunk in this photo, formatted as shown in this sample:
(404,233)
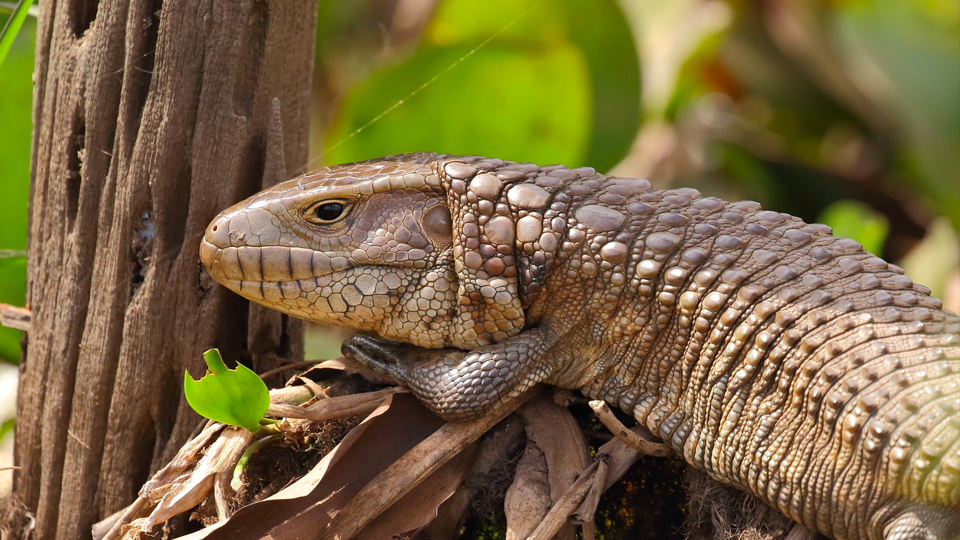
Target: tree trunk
(150,117)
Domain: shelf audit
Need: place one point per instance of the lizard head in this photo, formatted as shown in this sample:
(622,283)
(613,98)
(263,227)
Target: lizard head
(366,246)
(396,245)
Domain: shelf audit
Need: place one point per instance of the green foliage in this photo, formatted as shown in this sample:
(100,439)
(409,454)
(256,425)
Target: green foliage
(915,47)
(12,27)
(16,91)
(542,89)
(6,427)
(522,126)
(232,396)
(853,219)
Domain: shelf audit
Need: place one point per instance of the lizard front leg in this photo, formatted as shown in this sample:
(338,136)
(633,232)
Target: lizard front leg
(459,385)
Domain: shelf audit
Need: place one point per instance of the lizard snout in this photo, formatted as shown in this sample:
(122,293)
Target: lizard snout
(215,238)
(245,246)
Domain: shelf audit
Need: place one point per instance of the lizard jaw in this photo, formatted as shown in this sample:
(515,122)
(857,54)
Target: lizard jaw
(363,297)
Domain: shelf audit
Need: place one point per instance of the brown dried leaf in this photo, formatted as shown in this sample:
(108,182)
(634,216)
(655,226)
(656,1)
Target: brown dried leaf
(308,505)
(556,432)
(349,365)
(191,488)
(558,515)
(425,458)
(528,498)
(326,369)
(497,448)
(450,516)
(613,459)
(334,407)
(420,506)
(186,457)
(189,475)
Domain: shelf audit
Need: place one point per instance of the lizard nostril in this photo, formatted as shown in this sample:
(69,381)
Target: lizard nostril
(217,235)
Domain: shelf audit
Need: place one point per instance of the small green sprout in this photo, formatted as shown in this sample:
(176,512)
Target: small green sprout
(232,396)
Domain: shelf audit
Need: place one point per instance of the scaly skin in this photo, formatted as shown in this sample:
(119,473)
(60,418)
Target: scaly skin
(766,352)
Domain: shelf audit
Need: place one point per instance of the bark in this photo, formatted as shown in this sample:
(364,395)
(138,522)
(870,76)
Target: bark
(150,117)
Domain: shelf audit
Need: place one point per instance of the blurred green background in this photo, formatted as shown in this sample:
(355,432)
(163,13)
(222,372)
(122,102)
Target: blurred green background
(842,111)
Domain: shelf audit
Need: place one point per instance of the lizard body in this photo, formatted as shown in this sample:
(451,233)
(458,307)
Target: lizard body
(766,352)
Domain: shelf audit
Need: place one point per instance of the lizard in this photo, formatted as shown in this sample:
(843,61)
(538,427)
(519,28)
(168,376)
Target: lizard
(763,350)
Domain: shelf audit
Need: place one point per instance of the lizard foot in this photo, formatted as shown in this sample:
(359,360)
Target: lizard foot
(457,385)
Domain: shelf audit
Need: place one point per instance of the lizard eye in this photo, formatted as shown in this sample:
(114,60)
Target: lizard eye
(326,212)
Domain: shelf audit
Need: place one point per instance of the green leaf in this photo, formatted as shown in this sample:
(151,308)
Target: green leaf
(916,47)
(16,93)
(473,109)
(557,82)
(12,28)
(233,396)
(854,219)
(611,56)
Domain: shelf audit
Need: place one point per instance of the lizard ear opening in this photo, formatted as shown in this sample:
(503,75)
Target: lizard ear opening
(438,225)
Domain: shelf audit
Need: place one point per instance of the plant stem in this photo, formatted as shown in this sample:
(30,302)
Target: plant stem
(10,31)
(235,483)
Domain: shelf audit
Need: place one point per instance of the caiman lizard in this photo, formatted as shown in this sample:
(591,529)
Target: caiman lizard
(766,352)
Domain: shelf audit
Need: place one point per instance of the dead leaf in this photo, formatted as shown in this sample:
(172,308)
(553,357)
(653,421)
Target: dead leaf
(334,407)
(426,457)
(308,505)
(528,497)
(419,507)
(558,515)
(191,488)
(497,449)
(556,432)
(173,479)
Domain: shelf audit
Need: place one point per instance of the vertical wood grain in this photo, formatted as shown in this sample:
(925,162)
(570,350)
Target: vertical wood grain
(150,116)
